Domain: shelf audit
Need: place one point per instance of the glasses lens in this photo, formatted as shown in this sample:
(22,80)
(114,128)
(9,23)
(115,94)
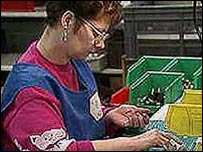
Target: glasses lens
(96,32)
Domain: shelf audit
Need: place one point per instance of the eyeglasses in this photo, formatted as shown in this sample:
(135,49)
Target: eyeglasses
(98,34)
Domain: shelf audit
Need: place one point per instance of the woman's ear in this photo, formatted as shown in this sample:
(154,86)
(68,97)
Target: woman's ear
(67,19)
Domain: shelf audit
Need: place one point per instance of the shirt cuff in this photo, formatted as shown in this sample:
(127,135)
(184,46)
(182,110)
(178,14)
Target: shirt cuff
(111,128)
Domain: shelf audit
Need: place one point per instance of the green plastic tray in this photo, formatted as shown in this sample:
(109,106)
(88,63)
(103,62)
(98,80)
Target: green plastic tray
(168,82)
(190,66)
(144,64)
(197,79)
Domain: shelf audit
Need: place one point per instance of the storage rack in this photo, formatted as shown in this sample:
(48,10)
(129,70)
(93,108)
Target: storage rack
(161,30)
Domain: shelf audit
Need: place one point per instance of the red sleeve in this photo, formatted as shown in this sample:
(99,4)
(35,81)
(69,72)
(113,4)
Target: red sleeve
(111,129)
(34,122)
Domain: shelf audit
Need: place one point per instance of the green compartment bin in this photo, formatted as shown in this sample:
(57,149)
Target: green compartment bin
(144,64)
(169,83)
(189,66)
(197,79)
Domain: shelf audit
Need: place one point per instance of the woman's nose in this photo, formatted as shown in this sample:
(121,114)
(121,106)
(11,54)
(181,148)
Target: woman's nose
(99,44)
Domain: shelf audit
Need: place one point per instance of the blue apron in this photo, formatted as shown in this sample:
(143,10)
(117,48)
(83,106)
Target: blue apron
(80,123)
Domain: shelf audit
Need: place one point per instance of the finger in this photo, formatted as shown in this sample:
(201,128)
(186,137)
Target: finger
(129,122)
(141,120)
(129,108)
(122,121)
(162,140)
(175,142)
(142,109)
(126,123)
(126,110)
(128,114)
(130,118)
(171,136)
(145,118)
(171,142)
(135,121)
(133,109)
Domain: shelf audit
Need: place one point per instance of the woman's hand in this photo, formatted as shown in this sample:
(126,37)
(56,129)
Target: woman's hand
(128,116)
(149,139)
(156,138)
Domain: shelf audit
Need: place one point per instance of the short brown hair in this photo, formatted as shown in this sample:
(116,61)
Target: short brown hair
(84,9)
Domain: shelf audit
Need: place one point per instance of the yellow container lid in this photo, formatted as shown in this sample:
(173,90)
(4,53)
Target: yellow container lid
(192,97)
(185,119)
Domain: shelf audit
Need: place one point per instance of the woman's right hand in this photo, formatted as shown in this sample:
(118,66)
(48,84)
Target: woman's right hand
(149,139)
(153,138)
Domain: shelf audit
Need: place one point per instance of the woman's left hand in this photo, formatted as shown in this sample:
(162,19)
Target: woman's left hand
(128,116)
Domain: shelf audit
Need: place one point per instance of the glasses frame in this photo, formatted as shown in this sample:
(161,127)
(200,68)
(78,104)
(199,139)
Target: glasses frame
(101,35)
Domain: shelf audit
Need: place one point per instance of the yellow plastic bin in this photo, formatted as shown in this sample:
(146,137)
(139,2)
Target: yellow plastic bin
(185,119)
(192,97)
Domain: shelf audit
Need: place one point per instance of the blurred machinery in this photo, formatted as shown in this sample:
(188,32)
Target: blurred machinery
(166,30)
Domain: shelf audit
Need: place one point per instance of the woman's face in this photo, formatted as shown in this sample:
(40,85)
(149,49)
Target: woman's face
(89,38)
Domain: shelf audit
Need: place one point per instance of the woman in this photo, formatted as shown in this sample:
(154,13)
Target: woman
(50,99)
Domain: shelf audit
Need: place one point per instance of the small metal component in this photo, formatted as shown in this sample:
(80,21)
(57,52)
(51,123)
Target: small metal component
(187,84)
(155,97)
(174,145)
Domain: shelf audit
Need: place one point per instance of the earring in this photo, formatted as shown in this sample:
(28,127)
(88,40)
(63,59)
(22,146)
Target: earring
(64,36)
